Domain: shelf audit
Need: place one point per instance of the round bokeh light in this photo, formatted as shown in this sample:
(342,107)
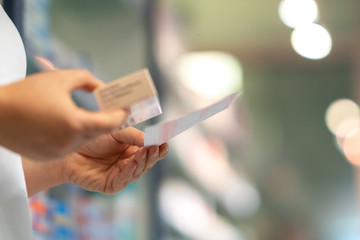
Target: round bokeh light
(311,41)
(343,117)
(297,12)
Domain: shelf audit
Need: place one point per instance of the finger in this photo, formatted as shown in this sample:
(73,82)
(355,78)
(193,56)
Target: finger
(152,157)
(125,175)
(130,151)
(130,136)
(140,158)
(163,150)
(97,123)
(80,79)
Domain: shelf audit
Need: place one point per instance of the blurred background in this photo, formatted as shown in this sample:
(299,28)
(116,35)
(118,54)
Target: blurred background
(279,164)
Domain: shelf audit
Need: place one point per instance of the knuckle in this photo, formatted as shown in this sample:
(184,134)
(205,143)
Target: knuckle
(83,73)
(125,184)
(107,192)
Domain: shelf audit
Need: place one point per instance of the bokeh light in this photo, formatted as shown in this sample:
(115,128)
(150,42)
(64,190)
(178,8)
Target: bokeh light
(211,74)
(297,12)
(185,209)
(339,144)
(209,165)
(241,199)
(311,41)
(351,148)
(343,117)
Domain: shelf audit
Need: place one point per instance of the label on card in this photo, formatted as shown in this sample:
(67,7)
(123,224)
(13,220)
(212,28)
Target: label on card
(136,92)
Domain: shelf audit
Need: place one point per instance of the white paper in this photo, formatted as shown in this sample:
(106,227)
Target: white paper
(160,133)
(14,209)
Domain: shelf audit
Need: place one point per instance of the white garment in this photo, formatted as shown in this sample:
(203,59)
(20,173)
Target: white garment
(15,221)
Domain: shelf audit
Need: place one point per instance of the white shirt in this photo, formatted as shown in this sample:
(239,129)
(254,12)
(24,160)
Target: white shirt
(15,221)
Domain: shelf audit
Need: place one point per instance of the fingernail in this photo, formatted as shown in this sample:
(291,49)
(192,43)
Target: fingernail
(164,145)
(154,153)
(164,151)
(163,155)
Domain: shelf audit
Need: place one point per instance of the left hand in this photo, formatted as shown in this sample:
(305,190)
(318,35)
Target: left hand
(39,119)
(111,162)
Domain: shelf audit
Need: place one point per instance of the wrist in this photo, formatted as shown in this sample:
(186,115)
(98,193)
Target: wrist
(2,96)
(4,100)
(66,170)
(55,171)
(42,175)
(3,111)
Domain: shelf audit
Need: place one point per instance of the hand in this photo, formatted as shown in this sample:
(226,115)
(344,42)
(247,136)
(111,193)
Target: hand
(39,120)
(112,161)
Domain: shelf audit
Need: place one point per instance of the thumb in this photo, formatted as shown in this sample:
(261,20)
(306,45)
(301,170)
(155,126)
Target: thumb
(97,123)
(81,79)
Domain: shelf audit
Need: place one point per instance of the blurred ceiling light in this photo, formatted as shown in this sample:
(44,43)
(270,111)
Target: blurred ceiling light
(297,12)
(343,117)
(211,74)
(311,41)
(186,210)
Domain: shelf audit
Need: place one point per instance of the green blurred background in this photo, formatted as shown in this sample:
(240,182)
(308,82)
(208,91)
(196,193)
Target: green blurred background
(268,168)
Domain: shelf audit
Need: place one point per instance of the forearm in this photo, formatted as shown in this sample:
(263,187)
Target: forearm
(42,175)
(4,115)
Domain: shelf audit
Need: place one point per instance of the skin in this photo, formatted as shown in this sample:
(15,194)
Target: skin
(62,143)
(106,165)
(39,119)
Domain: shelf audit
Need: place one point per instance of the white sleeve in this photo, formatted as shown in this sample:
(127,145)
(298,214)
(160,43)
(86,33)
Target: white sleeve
(12,52)
(15,220)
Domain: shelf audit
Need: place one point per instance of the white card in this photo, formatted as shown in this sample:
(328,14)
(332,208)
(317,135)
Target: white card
(136,92)
(162,132)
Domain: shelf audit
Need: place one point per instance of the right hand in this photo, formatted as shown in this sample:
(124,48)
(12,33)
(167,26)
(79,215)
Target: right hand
(111,162)
(39,119)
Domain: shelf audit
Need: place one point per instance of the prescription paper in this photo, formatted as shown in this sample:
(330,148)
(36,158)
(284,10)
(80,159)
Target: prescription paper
(160,133)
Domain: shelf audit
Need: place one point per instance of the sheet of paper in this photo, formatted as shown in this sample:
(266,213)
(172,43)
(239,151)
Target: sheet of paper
(160,133)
